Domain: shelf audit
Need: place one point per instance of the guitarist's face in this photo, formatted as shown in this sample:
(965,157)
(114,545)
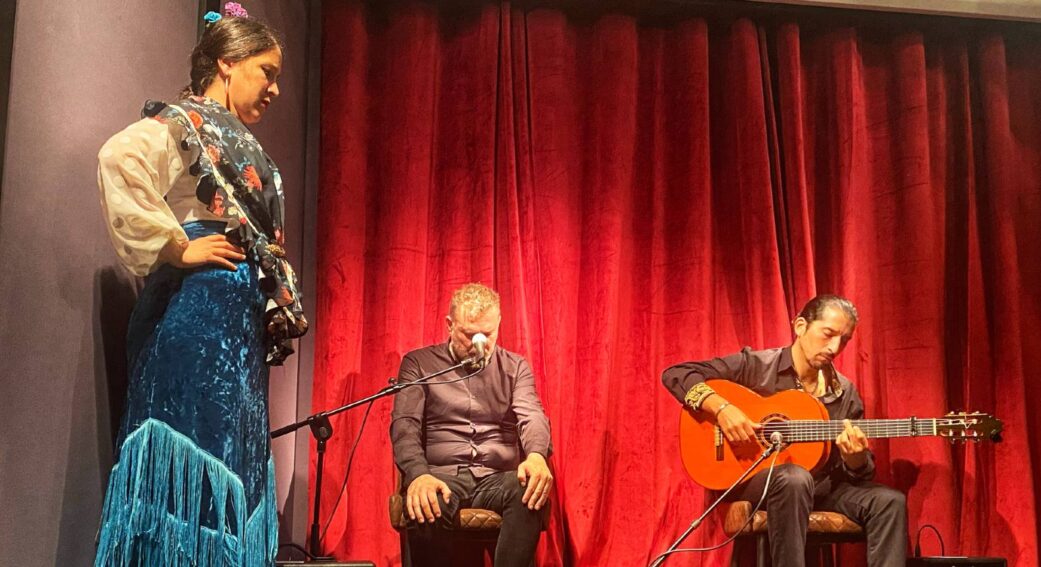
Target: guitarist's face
(822,340)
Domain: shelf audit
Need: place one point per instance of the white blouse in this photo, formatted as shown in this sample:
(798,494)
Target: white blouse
(146,194)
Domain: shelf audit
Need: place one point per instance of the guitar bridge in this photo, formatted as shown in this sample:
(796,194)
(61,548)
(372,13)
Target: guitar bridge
(719,442)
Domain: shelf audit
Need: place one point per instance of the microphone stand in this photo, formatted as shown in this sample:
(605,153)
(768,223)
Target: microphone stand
(773,448)
(322,430)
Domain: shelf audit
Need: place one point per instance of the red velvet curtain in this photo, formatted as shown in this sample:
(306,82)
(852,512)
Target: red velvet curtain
(646,189)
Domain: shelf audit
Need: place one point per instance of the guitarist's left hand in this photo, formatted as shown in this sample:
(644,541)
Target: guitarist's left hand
(853,446)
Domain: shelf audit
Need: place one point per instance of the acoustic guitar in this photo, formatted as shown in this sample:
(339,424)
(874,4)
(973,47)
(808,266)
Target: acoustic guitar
(806,433)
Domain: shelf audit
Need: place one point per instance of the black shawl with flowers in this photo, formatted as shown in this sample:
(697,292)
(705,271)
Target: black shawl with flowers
(238,181)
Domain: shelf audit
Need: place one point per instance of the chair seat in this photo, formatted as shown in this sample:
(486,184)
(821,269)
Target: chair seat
(470,519)
(821,523)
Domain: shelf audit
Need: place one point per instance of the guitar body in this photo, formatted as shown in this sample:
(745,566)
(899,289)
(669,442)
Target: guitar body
(711,460)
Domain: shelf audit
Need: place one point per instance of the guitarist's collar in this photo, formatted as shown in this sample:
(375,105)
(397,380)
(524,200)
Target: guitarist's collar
(830,376)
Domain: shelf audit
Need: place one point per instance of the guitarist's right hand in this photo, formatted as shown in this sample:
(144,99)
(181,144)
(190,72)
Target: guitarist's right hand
(736,426)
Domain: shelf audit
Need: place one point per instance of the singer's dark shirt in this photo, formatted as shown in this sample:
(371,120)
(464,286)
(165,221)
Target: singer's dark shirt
(482,423)
(770,371)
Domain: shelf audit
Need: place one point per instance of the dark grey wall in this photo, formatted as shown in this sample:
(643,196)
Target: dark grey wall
(79,72)
(6,37)
(284,133)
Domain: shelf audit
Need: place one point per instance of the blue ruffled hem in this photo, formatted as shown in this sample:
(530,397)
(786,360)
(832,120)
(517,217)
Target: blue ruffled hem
(152,513)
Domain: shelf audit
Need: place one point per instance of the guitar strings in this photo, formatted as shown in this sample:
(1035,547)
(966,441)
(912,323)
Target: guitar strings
(821,430)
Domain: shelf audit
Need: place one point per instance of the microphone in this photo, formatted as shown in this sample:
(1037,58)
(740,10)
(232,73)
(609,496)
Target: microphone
(480,342)
(776,439)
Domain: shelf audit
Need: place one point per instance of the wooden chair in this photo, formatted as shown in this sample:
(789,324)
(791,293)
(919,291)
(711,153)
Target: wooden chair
(826,529)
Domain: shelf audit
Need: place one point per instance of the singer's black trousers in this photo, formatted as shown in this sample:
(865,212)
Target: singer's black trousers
(793,494)
(430,544)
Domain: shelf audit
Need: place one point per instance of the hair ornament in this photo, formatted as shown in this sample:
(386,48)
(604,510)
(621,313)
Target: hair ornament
(234,9)
(211,17)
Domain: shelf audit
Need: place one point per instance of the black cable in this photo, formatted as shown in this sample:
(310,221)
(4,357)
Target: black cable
(357,439)
(296,547)
(347,474)
(918,540)
(751,516)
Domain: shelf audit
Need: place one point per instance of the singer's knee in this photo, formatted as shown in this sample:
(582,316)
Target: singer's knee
(512,488)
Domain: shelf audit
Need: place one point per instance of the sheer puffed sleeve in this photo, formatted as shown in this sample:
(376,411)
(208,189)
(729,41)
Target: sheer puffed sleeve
(136,169)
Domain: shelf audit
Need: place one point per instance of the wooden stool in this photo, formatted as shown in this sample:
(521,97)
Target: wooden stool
(825,530)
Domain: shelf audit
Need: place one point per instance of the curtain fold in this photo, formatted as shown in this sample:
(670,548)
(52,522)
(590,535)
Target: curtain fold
(643,192)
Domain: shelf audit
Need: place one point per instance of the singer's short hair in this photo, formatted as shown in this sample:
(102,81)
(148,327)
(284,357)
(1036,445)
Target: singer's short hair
(472,300)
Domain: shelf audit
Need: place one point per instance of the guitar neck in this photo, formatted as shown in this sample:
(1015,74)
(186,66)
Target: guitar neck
(799,431)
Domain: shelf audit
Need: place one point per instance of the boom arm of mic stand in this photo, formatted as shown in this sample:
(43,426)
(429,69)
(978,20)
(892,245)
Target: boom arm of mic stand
(694,525)
(322,431)
(389,390)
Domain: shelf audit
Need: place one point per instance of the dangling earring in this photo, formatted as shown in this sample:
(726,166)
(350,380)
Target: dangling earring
(227,91)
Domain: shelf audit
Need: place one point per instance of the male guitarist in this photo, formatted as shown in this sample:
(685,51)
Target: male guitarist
(822,329)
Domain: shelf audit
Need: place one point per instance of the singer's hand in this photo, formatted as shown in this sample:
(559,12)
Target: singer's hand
(534,474)
(421,498)
(853,446)
(212,249)
(736,426)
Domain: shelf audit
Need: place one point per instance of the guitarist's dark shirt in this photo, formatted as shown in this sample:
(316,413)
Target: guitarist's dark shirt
(770,371)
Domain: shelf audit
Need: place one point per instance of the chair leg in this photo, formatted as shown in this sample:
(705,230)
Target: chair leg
(406,555)
(826,553)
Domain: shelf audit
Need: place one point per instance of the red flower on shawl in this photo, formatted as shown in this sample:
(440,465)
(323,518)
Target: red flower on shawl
(217,205)
(196,118)
(252,179)
(284,297)
(214,152)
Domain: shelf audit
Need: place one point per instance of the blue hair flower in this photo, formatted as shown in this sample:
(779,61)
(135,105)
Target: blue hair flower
(211,17)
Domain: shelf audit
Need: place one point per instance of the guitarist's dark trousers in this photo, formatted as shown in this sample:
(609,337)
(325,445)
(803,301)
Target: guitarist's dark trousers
(794,492)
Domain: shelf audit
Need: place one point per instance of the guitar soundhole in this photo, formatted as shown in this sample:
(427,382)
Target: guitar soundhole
(774,422)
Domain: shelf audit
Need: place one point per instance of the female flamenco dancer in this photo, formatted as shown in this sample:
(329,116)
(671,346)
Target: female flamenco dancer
(193,203)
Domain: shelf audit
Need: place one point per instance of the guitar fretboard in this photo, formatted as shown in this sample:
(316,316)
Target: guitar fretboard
(797,431)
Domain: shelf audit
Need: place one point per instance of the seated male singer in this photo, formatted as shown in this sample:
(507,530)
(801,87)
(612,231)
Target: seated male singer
(480,442)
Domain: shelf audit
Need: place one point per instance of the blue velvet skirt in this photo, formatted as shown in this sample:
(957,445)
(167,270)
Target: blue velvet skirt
(194,481)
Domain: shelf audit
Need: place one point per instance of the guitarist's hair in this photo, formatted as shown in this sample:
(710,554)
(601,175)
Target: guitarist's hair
(814,309)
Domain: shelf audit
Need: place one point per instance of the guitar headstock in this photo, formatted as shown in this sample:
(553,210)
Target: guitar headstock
(969,426)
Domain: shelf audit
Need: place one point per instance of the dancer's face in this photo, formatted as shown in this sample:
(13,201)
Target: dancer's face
(253,84)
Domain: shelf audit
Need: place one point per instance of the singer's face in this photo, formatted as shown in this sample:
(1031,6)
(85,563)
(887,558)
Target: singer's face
(462,328)
(822,340)
(254,84)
